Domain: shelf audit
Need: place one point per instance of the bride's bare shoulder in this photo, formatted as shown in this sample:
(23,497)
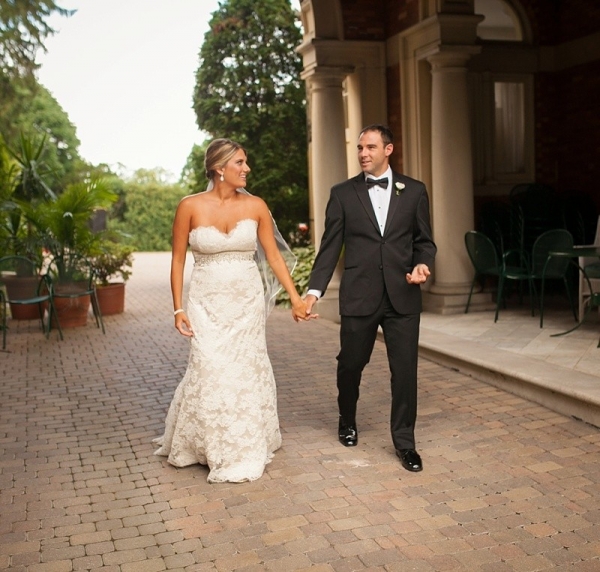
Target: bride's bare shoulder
(196,197)
(254,203)
(191,201)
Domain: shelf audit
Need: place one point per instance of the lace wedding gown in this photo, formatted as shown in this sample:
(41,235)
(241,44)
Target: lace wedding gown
(224,411)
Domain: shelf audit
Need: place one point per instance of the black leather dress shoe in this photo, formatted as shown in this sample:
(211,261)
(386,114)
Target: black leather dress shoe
(348,434)
(410,459)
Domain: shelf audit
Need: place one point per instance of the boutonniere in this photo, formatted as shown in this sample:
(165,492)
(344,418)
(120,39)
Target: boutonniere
(399,187)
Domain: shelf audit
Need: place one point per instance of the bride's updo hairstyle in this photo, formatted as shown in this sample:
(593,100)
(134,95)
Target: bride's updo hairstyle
(218,154)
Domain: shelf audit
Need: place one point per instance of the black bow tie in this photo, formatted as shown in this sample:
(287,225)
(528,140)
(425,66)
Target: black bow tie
(383,183)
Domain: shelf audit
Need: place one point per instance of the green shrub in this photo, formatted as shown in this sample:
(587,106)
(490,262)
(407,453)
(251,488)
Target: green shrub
(147,211)
(301,274)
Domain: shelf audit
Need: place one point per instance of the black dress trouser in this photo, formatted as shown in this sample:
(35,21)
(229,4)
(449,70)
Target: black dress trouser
(357,338)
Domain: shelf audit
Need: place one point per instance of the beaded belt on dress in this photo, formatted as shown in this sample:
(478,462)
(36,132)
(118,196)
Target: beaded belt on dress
(233,256)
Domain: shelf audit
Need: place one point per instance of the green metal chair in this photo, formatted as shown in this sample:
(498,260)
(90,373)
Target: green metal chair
(23,284)
(74,277)
(590,282)
(512,265)
(592,299)
(495,221)
(545,267)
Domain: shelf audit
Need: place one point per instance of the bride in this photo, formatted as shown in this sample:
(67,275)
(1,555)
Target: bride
(224,411)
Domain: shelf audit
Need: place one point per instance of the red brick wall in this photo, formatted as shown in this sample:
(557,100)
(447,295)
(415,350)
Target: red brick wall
(546,123)
(578,130)
(400,15)
(577,18)
(543,19)
(567,102)
(363,19)
(555,21)
(378,19)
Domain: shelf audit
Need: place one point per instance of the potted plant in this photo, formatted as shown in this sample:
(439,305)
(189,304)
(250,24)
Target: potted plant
(18,240)
(71,243)
(22,191)
(112,268)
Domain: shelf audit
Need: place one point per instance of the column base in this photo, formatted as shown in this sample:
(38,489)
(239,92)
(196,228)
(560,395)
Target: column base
(456,303)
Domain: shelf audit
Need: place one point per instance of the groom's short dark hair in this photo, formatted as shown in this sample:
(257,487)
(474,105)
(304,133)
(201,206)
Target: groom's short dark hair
(386,134)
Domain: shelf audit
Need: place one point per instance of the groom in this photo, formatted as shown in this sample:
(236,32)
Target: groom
(380,219)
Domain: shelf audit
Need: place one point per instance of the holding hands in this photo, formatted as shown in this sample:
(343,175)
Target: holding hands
(310,301)
(301,310)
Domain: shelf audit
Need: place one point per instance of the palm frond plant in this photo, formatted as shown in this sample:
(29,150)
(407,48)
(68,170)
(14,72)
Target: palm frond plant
(33,173)
(65,221)
(70,242)
(23,188)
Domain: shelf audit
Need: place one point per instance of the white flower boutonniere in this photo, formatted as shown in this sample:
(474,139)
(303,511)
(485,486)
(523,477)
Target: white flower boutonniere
(399,188)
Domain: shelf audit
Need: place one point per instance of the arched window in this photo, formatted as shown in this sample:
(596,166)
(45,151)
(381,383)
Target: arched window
(503,99)
(500,21)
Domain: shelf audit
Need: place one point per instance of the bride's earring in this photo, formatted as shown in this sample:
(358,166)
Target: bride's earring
(222,177)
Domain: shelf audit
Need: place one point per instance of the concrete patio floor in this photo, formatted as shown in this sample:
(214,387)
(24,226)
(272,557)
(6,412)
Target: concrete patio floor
(508,483)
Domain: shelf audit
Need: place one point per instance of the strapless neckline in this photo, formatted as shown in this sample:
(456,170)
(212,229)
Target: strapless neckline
(233,229)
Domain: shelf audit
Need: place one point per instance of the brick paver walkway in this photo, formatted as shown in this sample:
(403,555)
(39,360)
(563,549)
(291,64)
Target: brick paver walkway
(507,486)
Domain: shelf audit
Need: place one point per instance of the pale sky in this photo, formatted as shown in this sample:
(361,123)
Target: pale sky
(124,72)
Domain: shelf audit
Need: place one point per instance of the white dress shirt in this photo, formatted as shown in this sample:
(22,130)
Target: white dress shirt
(380,199)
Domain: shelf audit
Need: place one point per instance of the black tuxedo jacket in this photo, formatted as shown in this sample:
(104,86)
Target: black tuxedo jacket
(373,262)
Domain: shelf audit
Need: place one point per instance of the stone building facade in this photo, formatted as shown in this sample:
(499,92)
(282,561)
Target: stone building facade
(482,95)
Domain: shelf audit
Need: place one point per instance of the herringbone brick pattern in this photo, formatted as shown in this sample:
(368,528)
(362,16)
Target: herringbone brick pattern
(507,486)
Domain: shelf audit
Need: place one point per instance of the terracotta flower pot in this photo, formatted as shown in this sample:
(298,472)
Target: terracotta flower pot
(19,287)
(26,311)
(111,298)
(72,312)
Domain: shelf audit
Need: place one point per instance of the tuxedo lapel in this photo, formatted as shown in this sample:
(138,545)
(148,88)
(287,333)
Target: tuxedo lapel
(394,202)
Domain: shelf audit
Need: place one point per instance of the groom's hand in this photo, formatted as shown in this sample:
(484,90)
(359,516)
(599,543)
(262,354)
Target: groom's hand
(419,274)
(310,301)
(300,311)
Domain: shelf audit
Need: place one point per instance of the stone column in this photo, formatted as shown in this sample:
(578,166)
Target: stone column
(327,160)
(452,179)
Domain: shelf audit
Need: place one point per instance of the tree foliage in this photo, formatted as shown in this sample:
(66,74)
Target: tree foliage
(248,88)
(23,30)
(147,210)
(192,174)
(39,116)
(25,105)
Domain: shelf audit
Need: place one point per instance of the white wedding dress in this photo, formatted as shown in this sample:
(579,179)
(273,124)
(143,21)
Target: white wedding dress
(224,411)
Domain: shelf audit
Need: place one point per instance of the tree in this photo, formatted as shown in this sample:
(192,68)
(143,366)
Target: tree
(40,116)
(23,29)
(147,210)
(248,88)
(192,175)
(24,104)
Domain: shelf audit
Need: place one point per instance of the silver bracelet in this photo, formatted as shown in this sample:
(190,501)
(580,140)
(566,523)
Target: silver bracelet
(178,311)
